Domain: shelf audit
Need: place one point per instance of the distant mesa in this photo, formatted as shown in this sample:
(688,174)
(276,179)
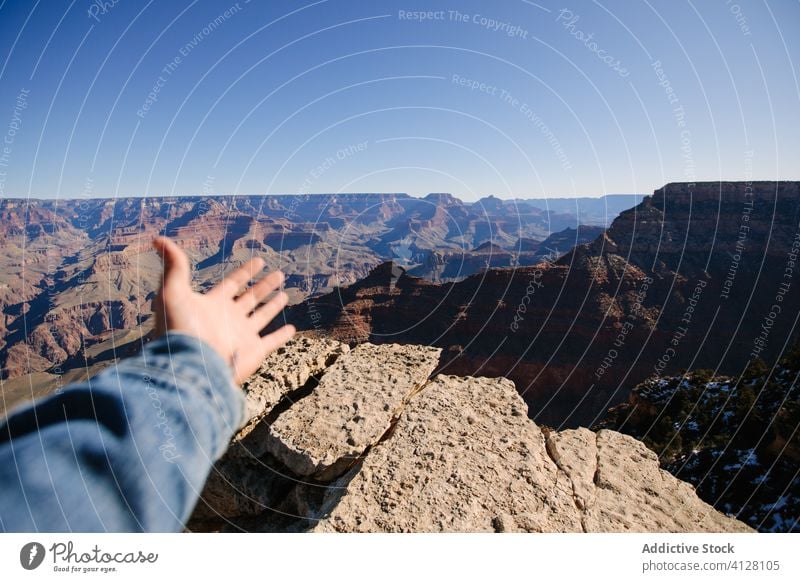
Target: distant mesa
(291,241)
(527,245)
(490,204)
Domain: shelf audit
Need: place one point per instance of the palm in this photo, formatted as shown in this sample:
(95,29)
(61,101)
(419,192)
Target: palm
(228,319)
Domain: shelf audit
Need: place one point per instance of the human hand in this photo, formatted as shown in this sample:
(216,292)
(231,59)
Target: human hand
(227,320)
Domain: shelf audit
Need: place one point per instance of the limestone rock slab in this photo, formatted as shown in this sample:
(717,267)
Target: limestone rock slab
(464,457)
(620,487)
(355,403)
(285,370)
(288,368)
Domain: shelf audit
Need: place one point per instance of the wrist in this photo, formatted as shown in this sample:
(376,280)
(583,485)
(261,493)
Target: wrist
(195,363)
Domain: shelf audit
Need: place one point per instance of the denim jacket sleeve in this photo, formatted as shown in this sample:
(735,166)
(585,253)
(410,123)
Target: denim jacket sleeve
(128,450)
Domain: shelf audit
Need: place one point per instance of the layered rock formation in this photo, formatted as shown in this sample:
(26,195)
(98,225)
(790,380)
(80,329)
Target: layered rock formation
(75,273)
(370,443)
(696,276)
(443,266)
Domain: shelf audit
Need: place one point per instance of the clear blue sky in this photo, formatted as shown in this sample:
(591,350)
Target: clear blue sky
(275,97)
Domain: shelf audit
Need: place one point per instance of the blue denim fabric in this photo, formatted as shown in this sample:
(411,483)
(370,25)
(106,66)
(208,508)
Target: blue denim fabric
(128,450)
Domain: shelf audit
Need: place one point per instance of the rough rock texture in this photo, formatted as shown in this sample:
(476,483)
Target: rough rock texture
(458,455)
(353,406)
(240,486)
(287,369)
(463,457)
(619,487)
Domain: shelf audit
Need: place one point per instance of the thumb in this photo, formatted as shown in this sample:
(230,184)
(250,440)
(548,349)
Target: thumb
(176,263)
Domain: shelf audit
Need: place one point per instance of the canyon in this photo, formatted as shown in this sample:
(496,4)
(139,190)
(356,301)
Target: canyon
(695,276)
(79,275)
(497,331)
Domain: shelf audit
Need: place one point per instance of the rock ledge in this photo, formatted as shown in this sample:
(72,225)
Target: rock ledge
(374,445)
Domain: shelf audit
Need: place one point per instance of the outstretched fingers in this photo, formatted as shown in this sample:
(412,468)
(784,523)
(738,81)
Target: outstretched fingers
(250,299)
(267,312)
(253,353)
(274,340)
(238,278)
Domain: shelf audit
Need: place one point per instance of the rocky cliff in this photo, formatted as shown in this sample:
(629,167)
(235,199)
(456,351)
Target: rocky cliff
(696,276)
(365,440)
(734,439)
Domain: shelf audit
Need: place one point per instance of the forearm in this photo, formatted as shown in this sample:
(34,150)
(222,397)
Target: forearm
(128,450)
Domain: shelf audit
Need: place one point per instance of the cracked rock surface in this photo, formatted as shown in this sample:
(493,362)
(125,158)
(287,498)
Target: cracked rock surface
(355,403)
(363,440)
(287,369)
(463,457)
(618,486)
